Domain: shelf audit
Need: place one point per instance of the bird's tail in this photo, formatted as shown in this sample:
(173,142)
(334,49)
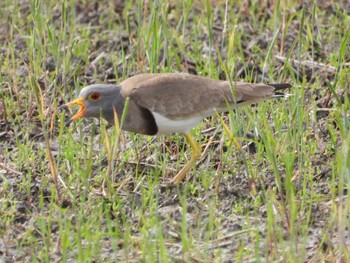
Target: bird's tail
(281,86)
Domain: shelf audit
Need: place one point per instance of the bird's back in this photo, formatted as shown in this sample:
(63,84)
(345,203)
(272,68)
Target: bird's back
(180,95)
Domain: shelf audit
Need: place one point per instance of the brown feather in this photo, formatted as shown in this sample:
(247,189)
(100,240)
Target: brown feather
(180,95)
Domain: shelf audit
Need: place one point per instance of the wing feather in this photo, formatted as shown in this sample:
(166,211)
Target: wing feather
(177,96)
(180,95)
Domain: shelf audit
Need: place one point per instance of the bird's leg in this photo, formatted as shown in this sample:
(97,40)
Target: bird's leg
(196,152)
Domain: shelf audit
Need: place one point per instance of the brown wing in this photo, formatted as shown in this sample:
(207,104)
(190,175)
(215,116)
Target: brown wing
(177,95)
(182,95)
(251,93)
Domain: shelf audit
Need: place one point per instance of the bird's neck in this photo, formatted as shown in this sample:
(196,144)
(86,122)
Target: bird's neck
(116,107)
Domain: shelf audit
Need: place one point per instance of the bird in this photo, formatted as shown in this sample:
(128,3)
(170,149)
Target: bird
(166,103)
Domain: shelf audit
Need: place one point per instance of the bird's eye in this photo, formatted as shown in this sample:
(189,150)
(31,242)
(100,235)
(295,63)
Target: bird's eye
(95,96)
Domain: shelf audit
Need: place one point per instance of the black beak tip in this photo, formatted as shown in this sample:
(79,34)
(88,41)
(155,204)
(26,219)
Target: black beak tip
(62,107)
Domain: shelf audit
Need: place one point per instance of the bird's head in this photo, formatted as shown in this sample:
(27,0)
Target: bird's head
(94,100)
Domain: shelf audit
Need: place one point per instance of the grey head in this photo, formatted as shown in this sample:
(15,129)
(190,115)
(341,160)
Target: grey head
(98,99)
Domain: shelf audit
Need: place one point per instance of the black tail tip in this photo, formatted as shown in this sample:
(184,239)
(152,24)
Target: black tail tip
(281,86)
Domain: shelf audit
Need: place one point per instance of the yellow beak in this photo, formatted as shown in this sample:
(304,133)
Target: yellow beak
(78,102)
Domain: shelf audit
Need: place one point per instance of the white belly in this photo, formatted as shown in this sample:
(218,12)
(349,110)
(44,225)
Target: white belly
(166,126)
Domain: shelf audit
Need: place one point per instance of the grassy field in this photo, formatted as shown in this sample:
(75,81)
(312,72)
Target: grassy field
(86,192)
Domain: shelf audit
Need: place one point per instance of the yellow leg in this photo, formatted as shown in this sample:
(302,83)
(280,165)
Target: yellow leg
(196,152)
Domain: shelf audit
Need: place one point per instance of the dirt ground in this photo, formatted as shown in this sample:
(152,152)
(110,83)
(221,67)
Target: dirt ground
(20,125)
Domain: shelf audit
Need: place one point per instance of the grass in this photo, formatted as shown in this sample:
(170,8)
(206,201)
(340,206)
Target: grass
(86,192)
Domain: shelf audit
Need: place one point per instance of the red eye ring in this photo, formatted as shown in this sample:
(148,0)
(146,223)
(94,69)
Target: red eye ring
(95,96)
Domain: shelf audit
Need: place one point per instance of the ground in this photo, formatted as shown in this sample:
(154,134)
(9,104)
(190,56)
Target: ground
(87,192)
